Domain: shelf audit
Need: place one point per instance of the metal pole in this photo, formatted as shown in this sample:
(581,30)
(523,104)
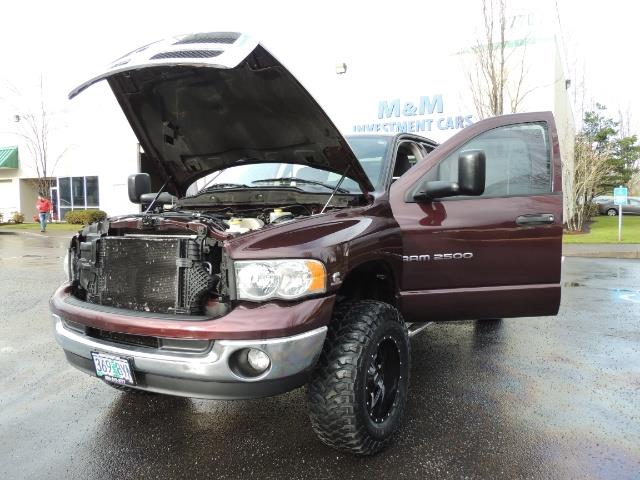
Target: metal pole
(620,222)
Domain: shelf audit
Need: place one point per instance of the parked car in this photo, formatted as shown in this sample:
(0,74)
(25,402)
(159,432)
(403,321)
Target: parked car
(272,252)
(602,199)
(631,208)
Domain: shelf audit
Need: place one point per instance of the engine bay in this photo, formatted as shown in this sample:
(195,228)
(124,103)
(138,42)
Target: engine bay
(245,220)
(168,263)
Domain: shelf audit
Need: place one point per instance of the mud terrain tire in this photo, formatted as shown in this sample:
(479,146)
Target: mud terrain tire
(357,393)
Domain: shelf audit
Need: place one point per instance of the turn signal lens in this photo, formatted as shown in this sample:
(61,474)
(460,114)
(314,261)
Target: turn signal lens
(318,276)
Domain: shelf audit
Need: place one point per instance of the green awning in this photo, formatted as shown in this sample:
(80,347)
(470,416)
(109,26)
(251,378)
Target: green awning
(8,157)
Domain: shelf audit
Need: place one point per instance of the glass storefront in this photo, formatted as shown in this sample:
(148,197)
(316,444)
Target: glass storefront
(76,193)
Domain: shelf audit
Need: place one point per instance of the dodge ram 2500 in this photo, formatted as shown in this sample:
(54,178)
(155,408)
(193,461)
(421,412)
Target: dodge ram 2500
(270,252)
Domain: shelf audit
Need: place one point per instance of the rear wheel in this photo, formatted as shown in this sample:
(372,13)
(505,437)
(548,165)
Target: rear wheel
(358,392)
(612,212)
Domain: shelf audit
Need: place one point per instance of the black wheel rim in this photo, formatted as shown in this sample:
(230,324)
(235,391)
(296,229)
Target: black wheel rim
(383,378)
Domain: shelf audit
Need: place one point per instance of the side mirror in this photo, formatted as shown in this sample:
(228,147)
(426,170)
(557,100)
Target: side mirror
(472,168)
(138,184)
(471,179)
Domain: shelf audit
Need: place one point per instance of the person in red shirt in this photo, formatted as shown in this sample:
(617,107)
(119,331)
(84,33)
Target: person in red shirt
(43,205)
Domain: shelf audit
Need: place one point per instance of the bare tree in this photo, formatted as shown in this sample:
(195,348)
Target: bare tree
(624,122)
(590,168)
(496,77)
(34,126)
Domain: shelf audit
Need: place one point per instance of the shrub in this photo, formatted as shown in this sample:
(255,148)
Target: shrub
(95,215)
(17,217)
(73,217)
(84,217)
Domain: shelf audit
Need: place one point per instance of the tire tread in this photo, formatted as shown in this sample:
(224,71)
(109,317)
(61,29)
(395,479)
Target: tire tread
(331,392)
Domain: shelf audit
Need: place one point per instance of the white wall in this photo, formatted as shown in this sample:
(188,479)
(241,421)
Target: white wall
(101,143)
(9,195)
(91,137)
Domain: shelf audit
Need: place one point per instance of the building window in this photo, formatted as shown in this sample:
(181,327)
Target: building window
(64,187)
(77,184)
(77,193)
(92,192)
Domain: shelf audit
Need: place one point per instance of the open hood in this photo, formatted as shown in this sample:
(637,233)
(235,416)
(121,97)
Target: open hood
(203,102)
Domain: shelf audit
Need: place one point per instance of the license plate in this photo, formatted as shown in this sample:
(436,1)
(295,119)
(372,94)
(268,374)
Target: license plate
(113,369)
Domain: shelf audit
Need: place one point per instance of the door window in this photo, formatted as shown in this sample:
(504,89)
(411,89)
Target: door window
(409,153)
(518,161)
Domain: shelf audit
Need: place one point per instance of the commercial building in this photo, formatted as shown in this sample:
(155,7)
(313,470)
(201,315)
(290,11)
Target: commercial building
(89,157)
(427,89)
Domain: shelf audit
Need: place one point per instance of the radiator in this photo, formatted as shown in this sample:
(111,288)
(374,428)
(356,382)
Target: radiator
(151,274)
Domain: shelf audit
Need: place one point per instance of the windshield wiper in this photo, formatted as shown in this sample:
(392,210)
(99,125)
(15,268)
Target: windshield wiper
(222,186)
(303,181)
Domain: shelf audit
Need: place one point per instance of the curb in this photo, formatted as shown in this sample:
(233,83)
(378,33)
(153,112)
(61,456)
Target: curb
(38,234)
(600,250)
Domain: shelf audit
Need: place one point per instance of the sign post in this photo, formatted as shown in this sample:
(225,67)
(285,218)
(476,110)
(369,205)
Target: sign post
(620,198)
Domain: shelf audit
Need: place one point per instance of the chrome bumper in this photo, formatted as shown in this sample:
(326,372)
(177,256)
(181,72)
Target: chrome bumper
(208,374)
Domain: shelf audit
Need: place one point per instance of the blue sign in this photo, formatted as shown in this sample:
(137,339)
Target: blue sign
(620,195)
(414,116)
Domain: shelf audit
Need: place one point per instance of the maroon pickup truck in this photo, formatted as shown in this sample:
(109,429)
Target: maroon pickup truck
(271,252)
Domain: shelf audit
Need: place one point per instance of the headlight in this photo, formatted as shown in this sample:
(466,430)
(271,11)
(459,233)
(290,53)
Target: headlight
(287,279)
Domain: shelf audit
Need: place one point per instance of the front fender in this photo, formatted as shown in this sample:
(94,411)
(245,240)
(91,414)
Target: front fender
(342,240)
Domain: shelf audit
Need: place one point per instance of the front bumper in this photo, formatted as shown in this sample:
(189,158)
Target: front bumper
(209,374)
(247,320)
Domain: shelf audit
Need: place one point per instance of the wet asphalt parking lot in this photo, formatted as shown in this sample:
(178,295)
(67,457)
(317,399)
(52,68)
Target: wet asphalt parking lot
(551,397)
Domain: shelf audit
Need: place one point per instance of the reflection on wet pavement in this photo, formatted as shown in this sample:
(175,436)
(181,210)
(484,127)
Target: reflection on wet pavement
(551,397)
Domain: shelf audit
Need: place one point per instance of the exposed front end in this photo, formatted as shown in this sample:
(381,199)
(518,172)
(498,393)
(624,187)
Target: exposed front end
(232,144)
(150,307)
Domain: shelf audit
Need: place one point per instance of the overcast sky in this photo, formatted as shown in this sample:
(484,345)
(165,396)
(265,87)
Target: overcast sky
(68,41)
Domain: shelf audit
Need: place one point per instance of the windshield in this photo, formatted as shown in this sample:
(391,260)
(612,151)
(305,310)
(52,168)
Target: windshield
(370,151)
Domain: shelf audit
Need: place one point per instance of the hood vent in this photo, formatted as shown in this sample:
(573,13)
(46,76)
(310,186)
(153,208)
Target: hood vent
(187,54)
(215,37)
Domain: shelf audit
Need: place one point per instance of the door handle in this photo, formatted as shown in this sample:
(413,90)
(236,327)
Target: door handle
(535,219)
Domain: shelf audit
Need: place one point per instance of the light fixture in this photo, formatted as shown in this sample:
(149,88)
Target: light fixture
(258,359)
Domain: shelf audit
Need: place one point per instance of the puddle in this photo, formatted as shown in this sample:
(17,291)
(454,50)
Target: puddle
(626,294)
(631,297)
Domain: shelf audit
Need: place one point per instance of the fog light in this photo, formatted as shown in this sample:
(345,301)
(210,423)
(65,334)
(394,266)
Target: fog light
(258,360)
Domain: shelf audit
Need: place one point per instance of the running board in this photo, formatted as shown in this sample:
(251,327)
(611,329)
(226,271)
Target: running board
(416,328)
